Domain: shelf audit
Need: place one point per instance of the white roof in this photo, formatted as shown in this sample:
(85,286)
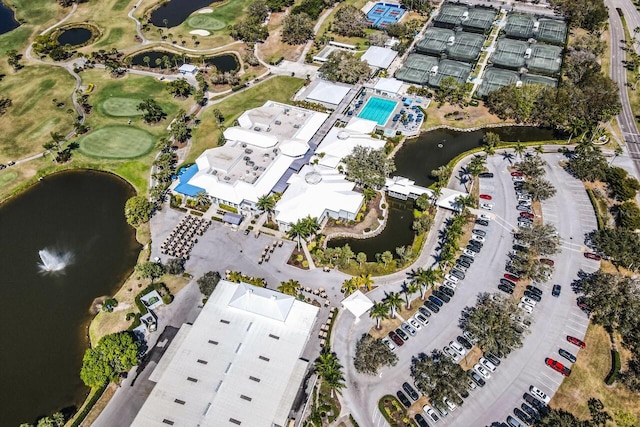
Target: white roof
(380,57)
(314,190)
(341,142)
(294,148)
(357,303)
(328,92)
(238,363)
(189,68)
(249,136)
(388,85)
(357,124)
(447,199)
(405,186)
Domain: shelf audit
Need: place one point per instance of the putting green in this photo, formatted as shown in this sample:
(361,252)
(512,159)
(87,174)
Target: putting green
(117,142)
(121,107)
(205,22)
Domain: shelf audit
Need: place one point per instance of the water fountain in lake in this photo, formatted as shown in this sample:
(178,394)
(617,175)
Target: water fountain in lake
(53,260)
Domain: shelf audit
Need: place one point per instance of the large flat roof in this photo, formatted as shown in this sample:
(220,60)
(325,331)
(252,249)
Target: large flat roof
(238,364)
(328,92)
(380,57)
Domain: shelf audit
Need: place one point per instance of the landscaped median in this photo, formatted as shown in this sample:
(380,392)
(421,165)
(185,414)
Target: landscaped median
(394,412)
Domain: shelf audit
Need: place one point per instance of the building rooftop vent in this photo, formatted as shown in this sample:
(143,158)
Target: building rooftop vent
(313,178)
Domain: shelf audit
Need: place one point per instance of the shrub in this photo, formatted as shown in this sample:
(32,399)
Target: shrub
(228,208)
(615,368)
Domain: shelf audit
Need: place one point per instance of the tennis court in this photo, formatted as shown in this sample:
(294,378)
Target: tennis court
(519,26)
(510,53)
(435,40)
(545,58)
(479,19)
(495,78)
(450,15)
(416,69)
(449,68)
(378,110)
(384,14)
(531,79)
(466,47)
(552,31)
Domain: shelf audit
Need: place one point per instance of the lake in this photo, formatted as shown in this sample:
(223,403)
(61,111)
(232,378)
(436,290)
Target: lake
(7,19)
(176,11)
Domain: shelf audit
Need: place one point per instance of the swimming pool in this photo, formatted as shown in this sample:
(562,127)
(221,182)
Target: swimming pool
(378,110)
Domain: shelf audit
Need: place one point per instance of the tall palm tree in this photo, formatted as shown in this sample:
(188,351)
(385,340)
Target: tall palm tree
(394,302)
(365,281)
(425,279)
(329,369)
(379,312)
(296,231)
(539,149)
(464,202)
(266,204)
(410,288)
(349,286)
(290,287)
(311,226)
(519,149)
(475,167)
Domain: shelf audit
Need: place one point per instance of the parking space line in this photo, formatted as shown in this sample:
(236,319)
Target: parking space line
(576,329)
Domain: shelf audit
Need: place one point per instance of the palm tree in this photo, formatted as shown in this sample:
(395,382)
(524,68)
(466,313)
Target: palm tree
(295,231)
(425,279)
(349,286)
(617,152)
(266,204)
(410,289)
(441,173)
(147,61)
(361,258)
(539,150)
(290,287)
(464,202)
(365,281)
(379,312)
(329,369)
(475,167)
(394,302)
(519,149)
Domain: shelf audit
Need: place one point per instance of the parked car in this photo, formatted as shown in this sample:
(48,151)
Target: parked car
(569,356)
(505,289)
(463,262)
(457,347)
(403,398)
(421,319)
(452,406)
(556,290)
(486,206)
(466,258)
(485,175)
(396,339)
(442,296)
(482,371)
(424,312)
(410,391)
(547,261)
(533,296)
(512,277)
(526,307)
(513,422)
(527,215)
(457,273)
(518,179)
(479,232)
(460,267)
(431,306)
(389,344)
(557,366)
(407,327)
(583,306)
(539,394)
(528,301)
(507,282)
(468,252)
(452,353)
(482,222)
(477,378)
(522,224)
(469,337)
(416,325)
(537,404)
(451,278)
(492,358)
(575,341)
(485,197)
(449,284)
(464,342)
(522,416)
(421,421)
(530,411)
(401,334)
(478,238)
(523,208)
(517,174)
(592,256)
(431,413)
(435,300)
(534,289)
(487,364)
(475,244)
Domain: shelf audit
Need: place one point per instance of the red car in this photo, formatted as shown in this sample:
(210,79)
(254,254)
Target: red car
(547,261)
(557,366)
(485,197)
(584,307)
(517,174)
(592,256)
(396,339)
(527,215)
(511,277)
(575,341)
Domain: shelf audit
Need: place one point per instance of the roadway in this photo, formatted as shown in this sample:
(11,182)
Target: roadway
(553,318)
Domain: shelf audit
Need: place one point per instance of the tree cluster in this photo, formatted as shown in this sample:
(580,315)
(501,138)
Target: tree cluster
(561,418)
(137,210)
(297,28)
(180,130)
(5,103)
(278,5)
(421,6)
(48,45)
(539,188)
(151,111)
(342,66)
(208,282)
(313,8)
(588,14)
(114,355)
(449,241)
(250,29)
(230,77)
(620,246)
(165,167)
(451,91)
(13,59)
(329,369)
(368,167)
(55,420)
(303,229)
(364,282)
(150,270)
(180,88)
(349,21)
(371,355)
(439,377)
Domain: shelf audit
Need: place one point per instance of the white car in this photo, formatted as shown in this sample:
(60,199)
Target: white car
(415,324)
(481,370)
(539,394)
(518,179)
(486,206)
(472,385)
(469,337)
(526,307)
(421,319)
(450,285)
(407,327)
(469,253)
(431,413)
(389,344)
(528,301)
(522,197)
(452,354)
(490,366)
(522,224)
(451,278)
(457,347)
(524,202)
(452,406)
(478,238)
(485,217)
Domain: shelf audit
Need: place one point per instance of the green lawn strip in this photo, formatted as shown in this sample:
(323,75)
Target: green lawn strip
(113,36)
(117,142)
(398,408)
(120,5)
(7,177)
(121,107)
(280,89)
(205,22)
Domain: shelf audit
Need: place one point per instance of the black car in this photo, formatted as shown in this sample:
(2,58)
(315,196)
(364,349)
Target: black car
(403,398)
(475,243)
(463,262)
(410,391)
(466,258)
(486,175)
(534,289)
(513,422)
(522,208)
(441,295)
(431,306)
(529,410)
(464,342)
(492,358)
(522,416)
(435,300)
(402,334)
(479,232)
(477,379)
(447,291)
(457,273)
(482,222)
(556,290)
(511,269)
(569,356)
(505,289)
(533,296)
(424,312)
(421,421)
(507,282)
(540,407)
(473,248)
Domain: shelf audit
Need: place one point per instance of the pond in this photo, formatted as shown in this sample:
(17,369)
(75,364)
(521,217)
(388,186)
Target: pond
(415,160)
(74,36)
(174,12)
(7,19)
(223,63)
(72,222)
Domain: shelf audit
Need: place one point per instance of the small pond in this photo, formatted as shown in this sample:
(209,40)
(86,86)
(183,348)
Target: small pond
(7,19)
(74,36)
(223,63)
(174,12)
(73,222)
(415,160)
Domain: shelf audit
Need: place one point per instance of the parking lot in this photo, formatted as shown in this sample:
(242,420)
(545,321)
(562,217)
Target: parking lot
(553,318)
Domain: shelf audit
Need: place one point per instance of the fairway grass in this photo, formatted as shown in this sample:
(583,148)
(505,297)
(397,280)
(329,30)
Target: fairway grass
(205,22)
(7,177)
(121,107)
(117,142)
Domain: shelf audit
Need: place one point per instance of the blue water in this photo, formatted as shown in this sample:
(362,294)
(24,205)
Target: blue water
(378,110)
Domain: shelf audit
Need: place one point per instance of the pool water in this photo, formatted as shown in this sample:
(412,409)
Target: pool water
(378,110)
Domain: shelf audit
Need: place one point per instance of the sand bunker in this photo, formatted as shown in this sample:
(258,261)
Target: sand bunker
(200,32)
(205,10)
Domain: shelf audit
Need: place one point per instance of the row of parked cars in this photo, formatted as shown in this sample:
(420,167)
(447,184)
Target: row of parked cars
(531,410)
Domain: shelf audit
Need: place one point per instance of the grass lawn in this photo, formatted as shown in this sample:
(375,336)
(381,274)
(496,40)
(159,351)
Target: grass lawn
(280,89)
(477,116)
(117,142)
(121,107)
(587,380)
(35,15)
(110,16)
(27,124)
(205,21)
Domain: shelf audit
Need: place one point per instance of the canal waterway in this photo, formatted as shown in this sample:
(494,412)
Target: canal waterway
(72,220)
(223,63)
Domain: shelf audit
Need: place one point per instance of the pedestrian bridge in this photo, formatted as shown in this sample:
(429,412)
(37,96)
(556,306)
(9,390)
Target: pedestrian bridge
(403,188)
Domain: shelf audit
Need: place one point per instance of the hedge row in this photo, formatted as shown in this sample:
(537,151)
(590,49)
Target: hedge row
(615,368)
